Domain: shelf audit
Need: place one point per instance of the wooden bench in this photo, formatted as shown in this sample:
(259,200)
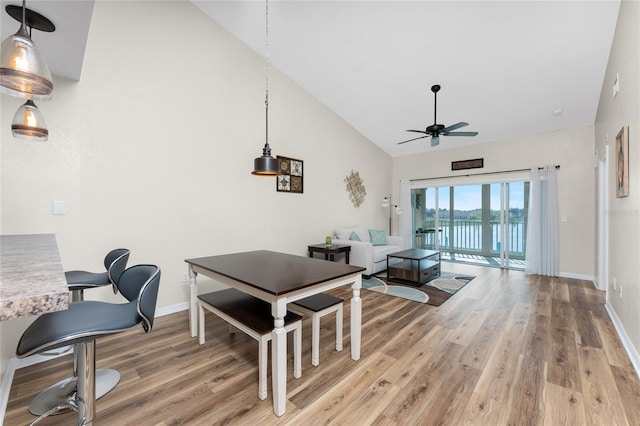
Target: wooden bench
(316,307)
(253,316)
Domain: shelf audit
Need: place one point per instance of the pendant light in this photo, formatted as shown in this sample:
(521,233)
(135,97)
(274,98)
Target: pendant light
(29,124)
(23,70)
(266,165)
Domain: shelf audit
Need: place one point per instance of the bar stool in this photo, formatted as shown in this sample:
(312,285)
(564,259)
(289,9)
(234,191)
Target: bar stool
(316,307)
(115,262)
(86,321)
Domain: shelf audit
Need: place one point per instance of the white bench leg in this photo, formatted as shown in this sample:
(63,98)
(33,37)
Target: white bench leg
(200,324)
(263,347)
(297,351)
(339,329)
(315,340)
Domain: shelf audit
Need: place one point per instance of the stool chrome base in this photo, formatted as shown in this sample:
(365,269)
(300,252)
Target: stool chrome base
(58,394)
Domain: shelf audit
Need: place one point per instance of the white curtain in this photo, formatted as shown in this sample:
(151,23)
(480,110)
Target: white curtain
(405,228)
(542,251)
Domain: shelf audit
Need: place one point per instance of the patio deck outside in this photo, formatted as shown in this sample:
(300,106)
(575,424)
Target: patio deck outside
(463,241)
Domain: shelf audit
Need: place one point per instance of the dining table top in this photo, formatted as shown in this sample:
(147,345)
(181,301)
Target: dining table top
(274,272)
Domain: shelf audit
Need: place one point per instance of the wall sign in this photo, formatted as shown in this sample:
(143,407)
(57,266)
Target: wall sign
(476,163)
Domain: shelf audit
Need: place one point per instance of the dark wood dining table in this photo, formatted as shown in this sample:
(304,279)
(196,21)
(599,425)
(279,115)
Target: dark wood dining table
(279,279)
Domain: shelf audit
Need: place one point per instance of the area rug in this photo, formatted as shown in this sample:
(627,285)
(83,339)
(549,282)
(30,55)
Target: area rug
(435,292)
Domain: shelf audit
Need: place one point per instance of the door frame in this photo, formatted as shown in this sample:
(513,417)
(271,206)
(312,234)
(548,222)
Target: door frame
(603,221)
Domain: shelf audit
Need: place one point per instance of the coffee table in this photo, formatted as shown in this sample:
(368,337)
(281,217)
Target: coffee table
(416,267)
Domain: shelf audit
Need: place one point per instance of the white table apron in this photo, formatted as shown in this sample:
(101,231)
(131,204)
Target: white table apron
(279,310)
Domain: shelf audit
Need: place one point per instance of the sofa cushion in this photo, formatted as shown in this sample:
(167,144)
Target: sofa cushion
(378,237)
(380,252)
(345,233)
(354,236)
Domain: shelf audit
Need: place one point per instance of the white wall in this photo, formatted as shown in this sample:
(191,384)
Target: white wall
(152,150)
(572,149)
(624,213)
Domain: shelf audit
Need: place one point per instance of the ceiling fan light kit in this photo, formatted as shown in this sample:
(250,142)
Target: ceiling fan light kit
(436,130)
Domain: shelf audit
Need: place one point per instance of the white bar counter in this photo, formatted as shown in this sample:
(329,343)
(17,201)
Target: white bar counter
(32,278)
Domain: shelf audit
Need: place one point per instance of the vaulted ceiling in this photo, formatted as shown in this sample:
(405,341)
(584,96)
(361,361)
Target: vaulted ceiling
(505,67)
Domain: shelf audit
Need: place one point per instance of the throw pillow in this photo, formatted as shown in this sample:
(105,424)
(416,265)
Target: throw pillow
(354,236)
(378,238)
(343,233)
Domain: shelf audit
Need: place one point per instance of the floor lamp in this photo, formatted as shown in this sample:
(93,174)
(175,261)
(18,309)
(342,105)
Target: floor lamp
(393,208)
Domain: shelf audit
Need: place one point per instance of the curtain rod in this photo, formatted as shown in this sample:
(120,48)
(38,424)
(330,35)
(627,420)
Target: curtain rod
(478,174)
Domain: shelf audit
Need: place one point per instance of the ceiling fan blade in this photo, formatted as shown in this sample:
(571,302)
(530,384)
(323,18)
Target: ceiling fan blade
(454,126)
(461,133)
(435,141)
(421,137)
(418,131)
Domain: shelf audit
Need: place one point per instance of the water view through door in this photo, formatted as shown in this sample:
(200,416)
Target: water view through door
(482,223)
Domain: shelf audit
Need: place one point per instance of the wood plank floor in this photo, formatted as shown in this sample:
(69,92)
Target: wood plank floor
(507,349)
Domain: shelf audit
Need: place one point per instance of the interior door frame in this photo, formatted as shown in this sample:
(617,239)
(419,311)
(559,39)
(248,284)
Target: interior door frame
(603,221)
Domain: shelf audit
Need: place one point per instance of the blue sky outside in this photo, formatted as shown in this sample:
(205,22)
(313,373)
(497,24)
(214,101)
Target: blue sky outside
(469,197)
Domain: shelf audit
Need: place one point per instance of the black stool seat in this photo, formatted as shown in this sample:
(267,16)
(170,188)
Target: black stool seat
(318,302)
(86,279)
(83,321)
(247,309)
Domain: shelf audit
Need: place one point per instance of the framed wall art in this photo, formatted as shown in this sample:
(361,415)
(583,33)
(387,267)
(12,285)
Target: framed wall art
(290,177)
(622,163)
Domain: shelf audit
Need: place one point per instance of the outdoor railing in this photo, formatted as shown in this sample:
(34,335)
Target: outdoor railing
(465,236)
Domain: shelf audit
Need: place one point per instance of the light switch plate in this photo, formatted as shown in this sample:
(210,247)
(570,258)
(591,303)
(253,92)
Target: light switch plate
(57,207)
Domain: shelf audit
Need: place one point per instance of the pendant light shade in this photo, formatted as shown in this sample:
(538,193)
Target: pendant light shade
(265,165)
(23,70)
(28,123)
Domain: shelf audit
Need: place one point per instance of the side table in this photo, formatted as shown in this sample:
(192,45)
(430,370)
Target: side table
(330,251)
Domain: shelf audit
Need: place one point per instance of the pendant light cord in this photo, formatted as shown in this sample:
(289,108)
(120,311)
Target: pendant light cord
(266,73)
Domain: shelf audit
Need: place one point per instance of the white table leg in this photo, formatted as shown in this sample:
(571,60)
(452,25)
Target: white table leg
(193,306)
(279,357)
(356,319)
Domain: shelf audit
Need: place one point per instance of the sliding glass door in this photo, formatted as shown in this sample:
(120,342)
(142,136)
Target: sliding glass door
(479,223)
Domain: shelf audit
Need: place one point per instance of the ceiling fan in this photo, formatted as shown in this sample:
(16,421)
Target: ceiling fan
(435,130)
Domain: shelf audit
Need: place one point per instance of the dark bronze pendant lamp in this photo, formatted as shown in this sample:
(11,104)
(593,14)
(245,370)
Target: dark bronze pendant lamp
(266,165)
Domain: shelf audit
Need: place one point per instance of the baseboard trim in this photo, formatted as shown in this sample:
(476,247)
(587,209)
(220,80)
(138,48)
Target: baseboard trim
(167,310)
(624,337)
(577,276)
(17,363)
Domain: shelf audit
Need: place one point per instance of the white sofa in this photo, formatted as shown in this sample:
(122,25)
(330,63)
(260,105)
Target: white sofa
(364,253)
